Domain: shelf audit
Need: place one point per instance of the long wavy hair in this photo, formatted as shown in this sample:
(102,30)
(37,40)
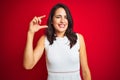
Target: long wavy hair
(72,37)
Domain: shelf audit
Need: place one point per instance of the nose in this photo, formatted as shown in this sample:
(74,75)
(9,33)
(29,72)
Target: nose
(62,20)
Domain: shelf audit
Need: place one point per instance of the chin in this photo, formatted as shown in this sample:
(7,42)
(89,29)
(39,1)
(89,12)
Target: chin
(62,31)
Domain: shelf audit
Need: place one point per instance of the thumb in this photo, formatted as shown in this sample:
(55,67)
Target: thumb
(43,26)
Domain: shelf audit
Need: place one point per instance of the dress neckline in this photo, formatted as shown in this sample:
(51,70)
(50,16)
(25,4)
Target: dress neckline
(61,38)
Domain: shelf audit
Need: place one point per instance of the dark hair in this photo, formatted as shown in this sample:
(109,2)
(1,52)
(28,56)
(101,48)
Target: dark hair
(69,32)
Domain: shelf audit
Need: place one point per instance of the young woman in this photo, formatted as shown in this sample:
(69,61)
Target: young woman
(65,50)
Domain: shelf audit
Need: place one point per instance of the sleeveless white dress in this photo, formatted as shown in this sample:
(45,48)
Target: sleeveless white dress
(62,62)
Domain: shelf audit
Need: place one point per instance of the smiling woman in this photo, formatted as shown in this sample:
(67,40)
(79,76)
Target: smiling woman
(65,49)
(60,21)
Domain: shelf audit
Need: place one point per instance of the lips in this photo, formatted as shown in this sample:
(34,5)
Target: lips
(61,25)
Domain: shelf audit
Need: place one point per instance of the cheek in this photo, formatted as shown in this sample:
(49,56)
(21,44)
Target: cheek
(54,24)
(66,21)
(55,21)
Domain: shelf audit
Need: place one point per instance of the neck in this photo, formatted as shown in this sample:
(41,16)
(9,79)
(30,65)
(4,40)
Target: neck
(58,34)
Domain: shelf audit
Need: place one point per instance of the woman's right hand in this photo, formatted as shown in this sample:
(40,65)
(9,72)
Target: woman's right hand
(35,24)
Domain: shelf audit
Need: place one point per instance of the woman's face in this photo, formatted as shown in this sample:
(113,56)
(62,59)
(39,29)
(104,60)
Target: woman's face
(60,21)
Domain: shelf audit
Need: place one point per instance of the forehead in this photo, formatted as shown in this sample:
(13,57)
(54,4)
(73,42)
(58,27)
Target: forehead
(60,11)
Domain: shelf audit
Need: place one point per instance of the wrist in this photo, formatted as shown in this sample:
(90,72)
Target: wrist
(30,33)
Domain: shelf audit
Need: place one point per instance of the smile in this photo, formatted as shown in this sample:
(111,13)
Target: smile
(61,25)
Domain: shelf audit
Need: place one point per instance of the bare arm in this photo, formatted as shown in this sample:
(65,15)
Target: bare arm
(31,56)
(83,60)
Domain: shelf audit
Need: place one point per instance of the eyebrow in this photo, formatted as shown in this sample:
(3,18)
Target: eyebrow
(60,15)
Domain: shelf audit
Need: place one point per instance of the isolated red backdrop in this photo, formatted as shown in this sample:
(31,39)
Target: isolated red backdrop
(97,20)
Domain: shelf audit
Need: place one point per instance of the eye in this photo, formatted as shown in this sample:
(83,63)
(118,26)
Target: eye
(65,17)
(57,16)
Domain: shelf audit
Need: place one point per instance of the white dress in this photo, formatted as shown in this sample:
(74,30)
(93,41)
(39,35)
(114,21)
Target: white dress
(62,62)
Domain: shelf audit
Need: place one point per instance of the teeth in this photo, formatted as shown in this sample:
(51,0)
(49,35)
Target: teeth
(61,26)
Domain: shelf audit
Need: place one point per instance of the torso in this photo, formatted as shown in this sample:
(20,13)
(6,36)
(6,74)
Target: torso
(60,57)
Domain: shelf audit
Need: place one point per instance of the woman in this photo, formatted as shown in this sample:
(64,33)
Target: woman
(65,50)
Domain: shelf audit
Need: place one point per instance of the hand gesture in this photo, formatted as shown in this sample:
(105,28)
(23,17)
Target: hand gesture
(35,24)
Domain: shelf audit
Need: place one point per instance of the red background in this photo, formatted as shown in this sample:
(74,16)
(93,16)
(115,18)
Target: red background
(97,20)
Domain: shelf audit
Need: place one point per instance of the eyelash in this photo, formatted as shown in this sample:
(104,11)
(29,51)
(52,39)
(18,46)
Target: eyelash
(59,17)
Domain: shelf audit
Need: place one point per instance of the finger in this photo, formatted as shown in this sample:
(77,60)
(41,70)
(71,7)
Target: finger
(43,26)
(36,19)
(42,16)
(39,20)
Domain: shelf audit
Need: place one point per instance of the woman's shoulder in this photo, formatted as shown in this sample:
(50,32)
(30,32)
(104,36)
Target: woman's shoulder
(79,35)
(42,38)
(81,38)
